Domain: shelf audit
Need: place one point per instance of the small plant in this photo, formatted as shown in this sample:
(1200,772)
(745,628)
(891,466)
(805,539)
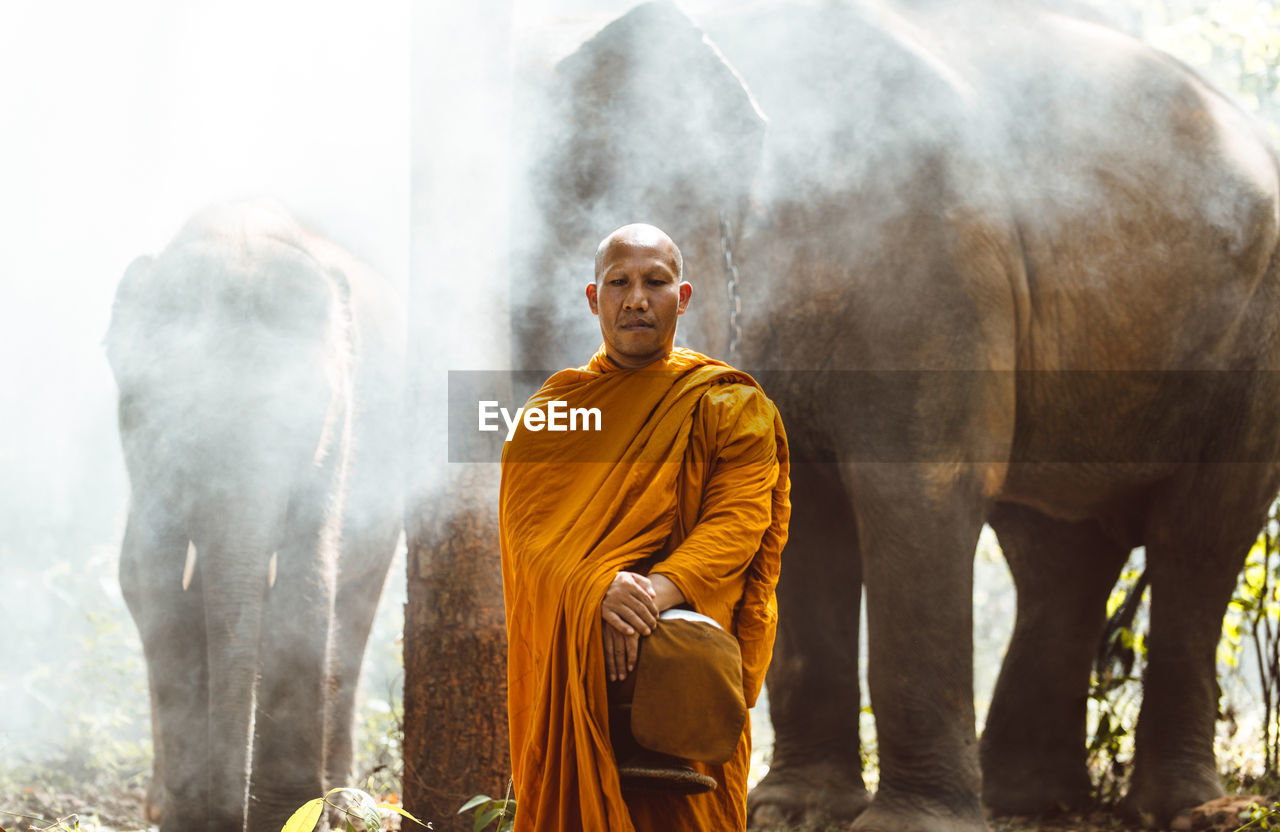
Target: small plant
(1254,616)
(360,808)
(380,752)
(67,823)
(1260,817)
(488,811)
(1116,686)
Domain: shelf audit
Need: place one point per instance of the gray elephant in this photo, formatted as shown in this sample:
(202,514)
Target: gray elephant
(258,368)
(993,263)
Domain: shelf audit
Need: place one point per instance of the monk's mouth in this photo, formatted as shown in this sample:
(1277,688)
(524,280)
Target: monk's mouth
(637,325)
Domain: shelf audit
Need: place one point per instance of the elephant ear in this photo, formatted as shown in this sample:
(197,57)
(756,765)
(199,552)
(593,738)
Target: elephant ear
(656,113)
(646,122)
(125,313)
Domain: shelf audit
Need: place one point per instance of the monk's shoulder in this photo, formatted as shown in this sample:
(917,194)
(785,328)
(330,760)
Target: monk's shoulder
(735,412)
(732,396)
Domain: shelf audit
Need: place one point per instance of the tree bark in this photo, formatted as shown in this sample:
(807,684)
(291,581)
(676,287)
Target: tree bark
(455,645)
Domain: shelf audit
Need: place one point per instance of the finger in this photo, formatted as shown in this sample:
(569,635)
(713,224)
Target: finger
(649,600)
(637,619)
(611,656)
(645,583)
(620,655)
(648,612)
(616,622)
(625,608)
(643,594)
(633,652)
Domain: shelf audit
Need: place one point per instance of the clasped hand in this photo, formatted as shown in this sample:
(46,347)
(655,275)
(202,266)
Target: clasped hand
(630,609)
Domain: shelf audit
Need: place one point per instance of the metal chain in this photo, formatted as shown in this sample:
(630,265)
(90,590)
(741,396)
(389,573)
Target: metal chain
(731,287)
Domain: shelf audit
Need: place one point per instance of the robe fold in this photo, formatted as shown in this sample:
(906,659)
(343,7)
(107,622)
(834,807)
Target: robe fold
(687,477)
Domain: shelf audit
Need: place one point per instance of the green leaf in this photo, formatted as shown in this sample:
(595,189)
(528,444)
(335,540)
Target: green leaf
(474,802)
(402,813)
(305,819)
(366,808)
(483,819)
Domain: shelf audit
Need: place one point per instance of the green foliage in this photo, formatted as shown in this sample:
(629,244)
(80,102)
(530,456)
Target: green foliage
(359,811)
(1252,628)
(380,749)
(1261,817)
(68,823)
(86,691)
(1116,684)
(869,747)
(489,812)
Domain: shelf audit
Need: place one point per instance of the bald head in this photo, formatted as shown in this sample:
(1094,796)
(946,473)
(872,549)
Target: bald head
(639,236)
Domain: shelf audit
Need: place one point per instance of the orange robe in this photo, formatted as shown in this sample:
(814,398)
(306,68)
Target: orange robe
(690,466)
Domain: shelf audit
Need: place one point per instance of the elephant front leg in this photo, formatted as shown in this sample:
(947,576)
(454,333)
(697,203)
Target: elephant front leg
(175,647)
(814,696)
(170,622)
(1033,747)
(918,539)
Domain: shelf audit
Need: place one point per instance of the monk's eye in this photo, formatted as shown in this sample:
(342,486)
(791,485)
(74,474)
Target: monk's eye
(618,281)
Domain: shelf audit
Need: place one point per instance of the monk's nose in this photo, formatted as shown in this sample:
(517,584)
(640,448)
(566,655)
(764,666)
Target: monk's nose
(637,300)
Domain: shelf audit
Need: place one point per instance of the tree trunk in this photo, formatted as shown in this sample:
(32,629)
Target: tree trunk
(455,708)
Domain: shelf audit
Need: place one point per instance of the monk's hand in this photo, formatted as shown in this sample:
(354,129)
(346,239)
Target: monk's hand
(629,606)
(620,653)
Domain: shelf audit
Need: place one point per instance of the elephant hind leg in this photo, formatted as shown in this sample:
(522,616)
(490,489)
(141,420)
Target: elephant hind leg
(1198,534)
(813,688)
(1033,746)
(363,571)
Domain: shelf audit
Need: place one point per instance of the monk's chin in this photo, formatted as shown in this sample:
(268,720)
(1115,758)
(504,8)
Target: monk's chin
(644,347)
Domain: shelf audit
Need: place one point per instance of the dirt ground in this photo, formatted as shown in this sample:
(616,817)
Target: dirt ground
(1227,814)
(119,812)
(122,813)
(1223,815)
(41,810)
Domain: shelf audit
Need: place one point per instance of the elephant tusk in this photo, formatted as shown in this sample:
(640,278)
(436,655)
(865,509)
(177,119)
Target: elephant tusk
(189,569)
(271,570)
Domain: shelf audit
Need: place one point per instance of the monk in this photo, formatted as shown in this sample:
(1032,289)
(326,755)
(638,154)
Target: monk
(681,498)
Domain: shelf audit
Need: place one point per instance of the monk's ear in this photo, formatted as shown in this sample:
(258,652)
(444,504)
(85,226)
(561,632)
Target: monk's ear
(686,292)
(592,300)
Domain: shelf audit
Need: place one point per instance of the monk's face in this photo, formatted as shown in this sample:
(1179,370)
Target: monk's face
(638,295)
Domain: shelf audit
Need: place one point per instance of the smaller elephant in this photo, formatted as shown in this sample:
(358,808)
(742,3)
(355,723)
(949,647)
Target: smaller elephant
(258,369)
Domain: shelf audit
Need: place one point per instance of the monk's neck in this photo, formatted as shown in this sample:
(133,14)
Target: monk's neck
(612,359)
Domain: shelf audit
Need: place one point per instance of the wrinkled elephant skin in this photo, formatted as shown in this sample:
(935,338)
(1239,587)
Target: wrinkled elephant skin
(258,369)
(992,264)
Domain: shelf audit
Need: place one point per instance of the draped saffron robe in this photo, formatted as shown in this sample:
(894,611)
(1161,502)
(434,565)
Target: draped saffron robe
(689,469)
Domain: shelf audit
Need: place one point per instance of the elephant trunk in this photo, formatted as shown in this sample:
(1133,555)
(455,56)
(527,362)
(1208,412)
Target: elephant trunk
(234,561)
